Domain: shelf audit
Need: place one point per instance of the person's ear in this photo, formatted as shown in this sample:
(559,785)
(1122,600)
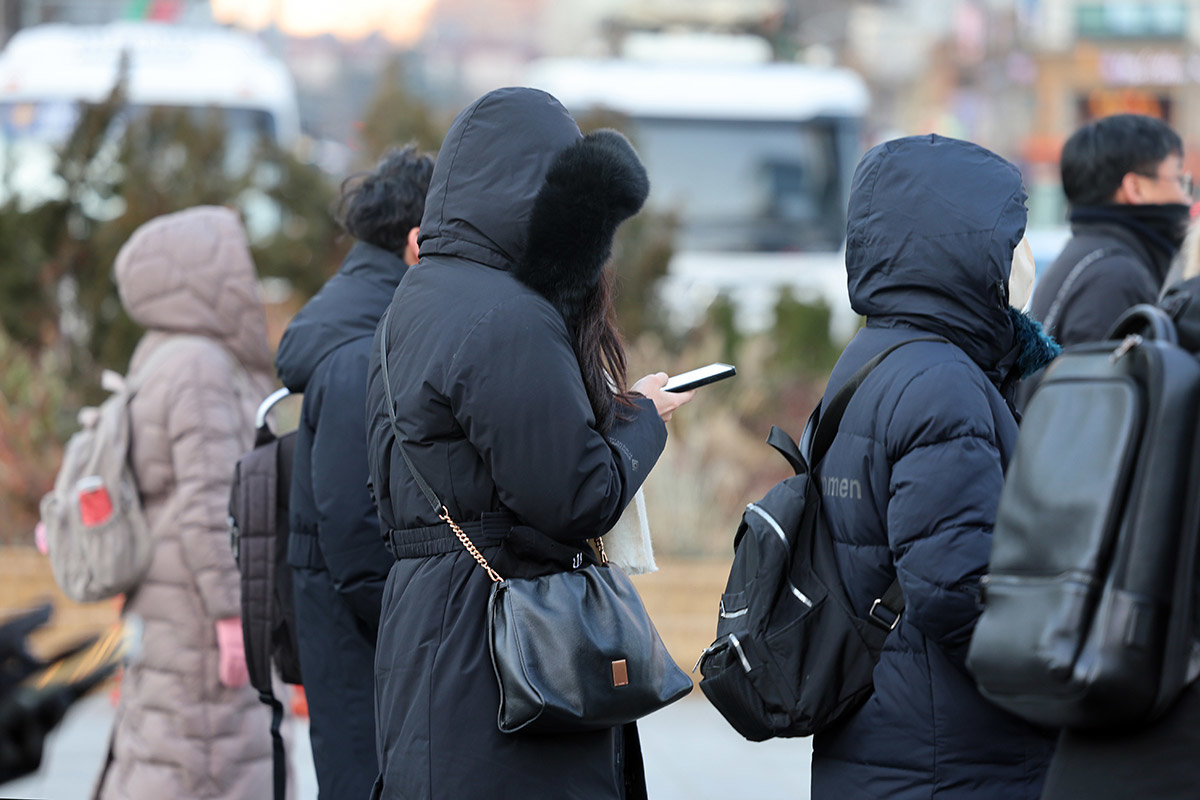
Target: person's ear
(411,251)
(1130,191)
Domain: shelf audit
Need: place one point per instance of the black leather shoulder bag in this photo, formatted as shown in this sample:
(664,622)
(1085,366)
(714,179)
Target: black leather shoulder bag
(573,650)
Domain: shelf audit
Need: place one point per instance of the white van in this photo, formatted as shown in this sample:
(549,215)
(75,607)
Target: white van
(756,160)
(46,71)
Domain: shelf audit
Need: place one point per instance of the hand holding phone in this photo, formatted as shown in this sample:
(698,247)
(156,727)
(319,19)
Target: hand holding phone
(665,403)
(702,376)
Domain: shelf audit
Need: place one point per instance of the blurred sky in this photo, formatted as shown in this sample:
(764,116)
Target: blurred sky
(401,21)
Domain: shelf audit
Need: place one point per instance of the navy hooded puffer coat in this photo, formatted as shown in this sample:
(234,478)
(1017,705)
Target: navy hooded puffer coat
(339,563)
(914,475)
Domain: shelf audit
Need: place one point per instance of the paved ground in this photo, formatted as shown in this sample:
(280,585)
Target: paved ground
(690,753)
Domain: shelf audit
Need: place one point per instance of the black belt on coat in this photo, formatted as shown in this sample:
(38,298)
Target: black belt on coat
(434,540)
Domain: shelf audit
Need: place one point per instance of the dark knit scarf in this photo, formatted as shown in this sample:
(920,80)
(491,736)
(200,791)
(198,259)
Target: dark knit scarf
(1162,225)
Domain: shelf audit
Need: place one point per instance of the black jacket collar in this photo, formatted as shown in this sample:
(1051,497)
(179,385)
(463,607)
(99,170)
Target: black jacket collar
(348,307)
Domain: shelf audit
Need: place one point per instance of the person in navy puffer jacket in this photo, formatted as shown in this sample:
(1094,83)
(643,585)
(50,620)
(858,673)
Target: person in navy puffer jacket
(914,475)
(335,548)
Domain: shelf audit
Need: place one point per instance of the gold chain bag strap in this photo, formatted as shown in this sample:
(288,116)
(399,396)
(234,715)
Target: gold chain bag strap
(573,650)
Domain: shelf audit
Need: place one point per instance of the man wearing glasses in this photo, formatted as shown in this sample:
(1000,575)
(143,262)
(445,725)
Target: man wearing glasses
(1129,201)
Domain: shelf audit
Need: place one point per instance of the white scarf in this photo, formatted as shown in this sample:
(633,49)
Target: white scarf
(628,543)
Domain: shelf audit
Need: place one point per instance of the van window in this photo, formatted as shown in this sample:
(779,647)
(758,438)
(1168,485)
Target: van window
(746,185)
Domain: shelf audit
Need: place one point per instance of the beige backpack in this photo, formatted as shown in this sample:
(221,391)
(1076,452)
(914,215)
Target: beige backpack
(96,532)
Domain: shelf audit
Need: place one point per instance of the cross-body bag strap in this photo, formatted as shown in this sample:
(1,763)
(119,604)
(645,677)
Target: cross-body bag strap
(886,610)
(439,507)
(1056,308)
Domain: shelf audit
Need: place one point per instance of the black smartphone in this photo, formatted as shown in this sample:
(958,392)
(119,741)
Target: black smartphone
(686,381)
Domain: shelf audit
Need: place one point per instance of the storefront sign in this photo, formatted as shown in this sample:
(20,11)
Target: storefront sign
(1148,67)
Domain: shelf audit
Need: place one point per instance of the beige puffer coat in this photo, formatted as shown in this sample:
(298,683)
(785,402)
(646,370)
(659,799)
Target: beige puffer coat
(179,733)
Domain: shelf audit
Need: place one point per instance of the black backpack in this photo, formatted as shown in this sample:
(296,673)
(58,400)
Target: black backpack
(258,532)
(1089,607)
(791,655)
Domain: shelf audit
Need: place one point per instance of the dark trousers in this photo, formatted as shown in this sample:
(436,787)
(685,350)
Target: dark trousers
(337,660)
(1161,761)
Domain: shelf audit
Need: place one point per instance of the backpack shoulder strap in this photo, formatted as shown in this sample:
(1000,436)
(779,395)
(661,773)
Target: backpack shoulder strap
(264,408)
(795,454)
(158,356)
(788,448)
(830,416)
(885,612)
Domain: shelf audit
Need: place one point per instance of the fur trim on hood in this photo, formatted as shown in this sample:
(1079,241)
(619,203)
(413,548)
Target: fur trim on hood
(591,188)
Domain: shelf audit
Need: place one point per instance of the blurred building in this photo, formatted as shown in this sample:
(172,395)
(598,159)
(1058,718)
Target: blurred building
(1094,58)
(1019,76)
(473,45)
(952,66)
(23,13)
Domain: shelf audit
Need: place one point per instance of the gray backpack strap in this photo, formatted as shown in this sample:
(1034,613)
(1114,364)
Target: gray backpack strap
(172,347)
(1050,324)
(158,356)
(264,408)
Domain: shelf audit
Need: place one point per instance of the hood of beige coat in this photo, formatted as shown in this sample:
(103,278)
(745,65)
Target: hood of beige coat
(192,272)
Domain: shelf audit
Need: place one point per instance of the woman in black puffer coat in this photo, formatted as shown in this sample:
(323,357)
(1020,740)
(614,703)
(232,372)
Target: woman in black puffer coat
(499,341)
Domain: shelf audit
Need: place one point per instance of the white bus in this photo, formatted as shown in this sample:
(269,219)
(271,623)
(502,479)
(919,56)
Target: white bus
(754,158)
(46,71)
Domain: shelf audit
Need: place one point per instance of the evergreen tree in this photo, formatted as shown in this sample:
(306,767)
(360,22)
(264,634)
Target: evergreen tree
(801,338)
(119,169)
(61,320)
(396,116)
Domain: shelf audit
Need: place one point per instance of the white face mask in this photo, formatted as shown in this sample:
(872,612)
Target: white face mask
(1020,279)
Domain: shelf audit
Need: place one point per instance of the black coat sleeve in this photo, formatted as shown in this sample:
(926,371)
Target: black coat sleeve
(515,388)
(347,524)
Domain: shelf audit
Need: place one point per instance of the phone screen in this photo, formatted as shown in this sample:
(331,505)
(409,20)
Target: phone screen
(701,376)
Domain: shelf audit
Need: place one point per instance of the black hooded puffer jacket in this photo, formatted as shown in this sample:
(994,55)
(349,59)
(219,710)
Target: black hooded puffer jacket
(492,405)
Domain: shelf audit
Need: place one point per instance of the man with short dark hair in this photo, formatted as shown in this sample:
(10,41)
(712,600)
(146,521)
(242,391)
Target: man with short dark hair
(338,559)
(1129,197)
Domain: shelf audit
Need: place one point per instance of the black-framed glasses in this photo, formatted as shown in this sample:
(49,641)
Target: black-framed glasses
(1184,179)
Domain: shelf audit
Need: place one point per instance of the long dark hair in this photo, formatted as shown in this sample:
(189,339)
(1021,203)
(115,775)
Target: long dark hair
(601,354)
(590,188)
